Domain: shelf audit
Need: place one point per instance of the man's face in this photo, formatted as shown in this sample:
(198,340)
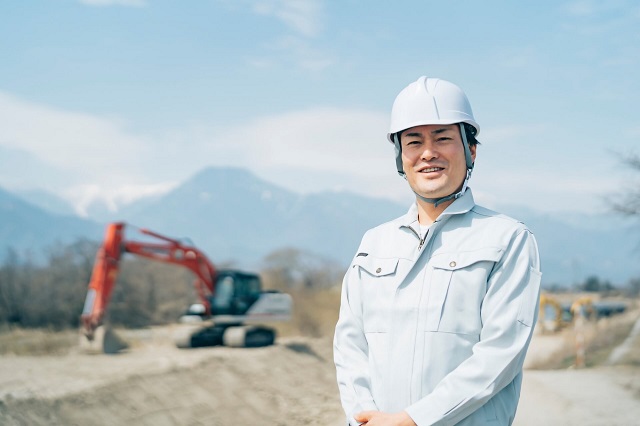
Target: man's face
(433,159)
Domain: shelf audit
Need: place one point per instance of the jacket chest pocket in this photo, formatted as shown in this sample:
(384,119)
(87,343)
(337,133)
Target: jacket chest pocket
(378,284)
(457,288)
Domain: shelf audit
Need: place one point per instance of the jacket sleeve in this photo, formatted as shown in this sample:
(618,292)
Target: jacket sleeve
(350,350)
(509,311)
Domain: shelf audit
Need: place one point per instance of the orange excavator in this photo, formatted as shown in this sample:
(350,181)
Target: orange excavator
(232,303)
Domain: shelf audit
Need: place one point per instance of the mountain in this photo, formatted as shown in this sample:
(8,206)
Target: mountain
(573,247)
(24,227)
(47,201)
(232,215)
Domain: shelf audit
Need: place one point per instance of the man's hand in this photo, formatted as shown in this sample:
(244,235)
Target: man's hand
(378,418)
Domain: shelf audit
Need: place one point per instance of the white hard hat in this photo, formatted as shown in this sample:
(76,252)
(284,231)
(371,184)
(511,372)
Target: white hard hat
(430,101)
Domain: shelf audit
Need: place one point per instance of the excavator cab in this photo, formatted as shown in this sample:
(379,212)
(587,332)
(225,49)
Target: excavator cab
(235,293)
(239,298)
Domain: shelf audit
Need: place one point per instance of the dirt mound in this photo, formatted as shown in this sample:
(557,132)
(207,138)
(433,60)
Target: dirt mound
(290,383)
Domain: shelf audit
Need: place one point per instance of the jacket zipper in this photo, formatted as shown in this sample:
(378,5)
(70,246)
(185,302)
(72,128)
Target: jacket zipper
(422,240)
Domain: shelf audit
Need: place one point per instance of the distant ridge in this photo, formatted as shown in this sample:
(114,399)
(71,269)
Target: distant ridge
(233,215)
(25,227)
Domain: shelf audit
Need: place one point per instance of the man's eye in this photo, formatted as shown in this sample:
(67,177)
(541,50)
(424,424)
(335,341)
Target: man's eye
(443,139)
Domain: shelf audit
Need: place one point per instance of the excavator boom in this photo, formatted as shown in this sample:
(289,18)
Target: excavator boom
(105,272)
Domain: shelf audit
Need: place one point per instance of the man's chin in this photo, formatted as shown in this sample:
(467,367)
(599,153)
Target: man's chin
(430,193)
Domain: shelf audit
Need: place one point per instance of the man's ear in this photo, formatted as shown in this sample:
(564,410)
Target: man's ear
(472,149)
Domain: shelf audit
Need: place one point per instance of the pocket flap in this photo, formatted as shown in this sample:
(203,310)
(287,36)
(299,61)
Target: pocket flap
(377,266)
(453,261)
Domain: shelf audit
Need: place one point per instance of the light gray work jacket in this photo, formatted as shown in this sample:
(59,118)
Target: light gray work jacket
(439,327)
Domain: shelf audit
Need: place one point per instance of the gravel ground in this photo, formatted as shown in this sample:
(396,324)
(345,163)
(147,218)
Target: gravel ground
(291,383)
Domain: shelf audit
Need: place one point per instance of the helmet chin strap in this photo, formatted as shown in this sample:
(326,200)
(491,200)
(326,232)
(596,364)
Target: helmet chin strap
(468,160)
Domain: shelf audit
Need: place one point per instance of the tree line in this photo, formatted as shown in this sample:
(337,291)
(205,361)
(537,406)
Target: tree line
(51,293)
(595,284)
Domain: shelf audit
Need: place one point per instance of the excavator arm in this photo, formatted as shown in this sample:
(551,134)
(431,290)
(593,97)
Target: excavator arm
(103,277)
(105,270)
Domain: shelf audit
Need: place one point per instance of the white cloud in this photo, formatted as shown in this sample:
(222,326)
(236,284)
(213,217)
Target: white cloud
(509,133)
(301,53)
(291,51)
(540,166)
(303,16)
(306,151)
(634,132)
(90,146)
(580,8)
(591,18)
(327,139)
(129,3)
(92,154)
(544,190)
(311,150)
(598,9)
(305,21)
(522,57)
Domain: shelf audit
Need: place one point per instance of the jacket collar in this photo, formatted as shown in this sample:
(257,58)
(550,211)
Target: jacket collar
(461,205)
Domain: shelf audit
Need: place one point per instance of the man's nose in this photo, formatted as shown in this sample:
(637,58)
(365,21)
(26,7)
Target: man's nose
(428,153)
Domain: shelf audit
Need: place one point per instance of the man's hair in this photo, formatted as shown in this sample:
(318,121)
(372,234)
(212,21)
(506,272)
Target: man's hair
(471,134)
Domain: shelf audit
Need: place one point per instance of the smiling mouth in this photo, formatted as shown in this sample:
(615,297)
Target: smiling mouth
(431,169)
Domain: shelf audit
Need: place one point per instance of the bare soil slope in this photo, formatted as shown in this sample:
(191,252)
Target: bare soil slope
(291,383)
(156,384)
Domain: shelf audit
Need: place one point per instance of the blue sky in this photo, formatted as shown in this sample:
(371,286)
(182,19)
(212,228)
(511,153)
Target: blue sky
(115,99)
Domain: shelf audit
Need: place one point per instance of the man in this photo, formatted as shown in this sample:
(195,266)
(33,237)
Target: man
(438,306)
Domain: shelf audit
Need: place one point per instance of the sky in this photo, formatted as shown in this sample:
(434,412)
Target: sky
(117,99)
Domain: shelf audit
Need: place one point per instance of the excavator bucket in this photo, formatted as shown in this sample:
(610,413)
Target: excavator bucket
(104,341)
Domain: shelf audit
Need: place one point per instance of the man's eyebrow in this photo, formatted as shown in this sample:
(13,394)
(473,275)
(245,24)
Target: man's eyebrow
(440,130)
(433,132)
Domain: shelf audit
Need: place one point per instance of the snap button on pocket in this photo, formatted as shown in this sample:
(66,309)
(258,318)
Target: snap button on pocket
(377,266)
(452,263)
